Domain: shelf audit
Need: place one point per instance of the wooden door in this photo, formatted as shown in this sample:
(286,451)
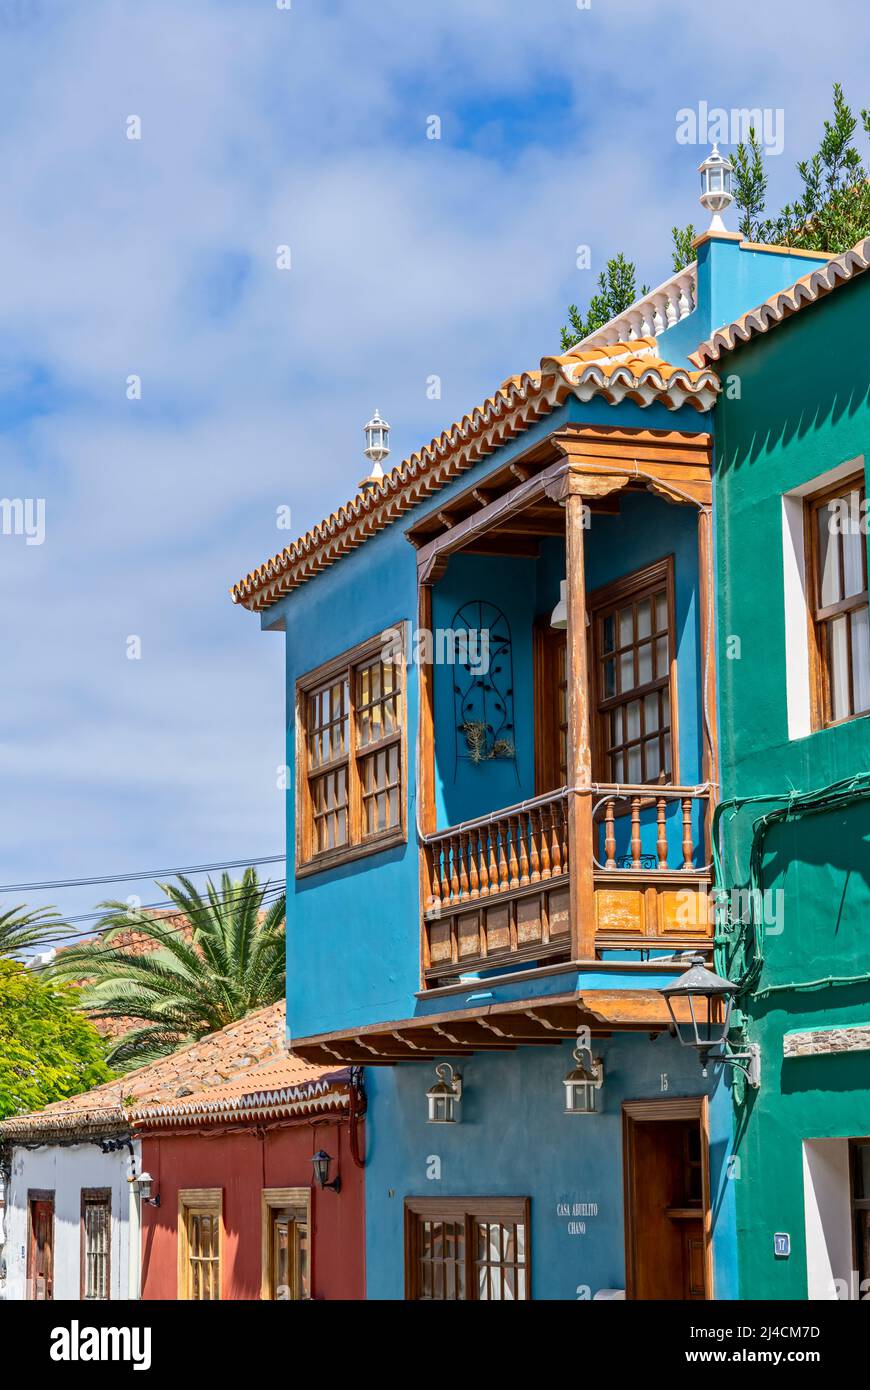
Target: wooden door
(667,1212)
(40,1259)
(551,708)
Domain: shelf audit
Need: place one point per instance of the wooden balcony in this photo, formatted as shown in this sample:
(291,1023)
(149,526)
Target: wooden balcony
(498,889)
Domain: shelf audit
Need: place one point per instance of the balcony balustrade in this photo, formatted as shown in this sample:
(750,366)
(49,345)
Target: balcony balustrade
(497,889)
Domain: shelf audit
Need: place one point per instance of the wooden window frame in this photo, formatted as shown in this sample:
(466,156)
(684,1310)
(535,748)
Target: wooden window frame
(92,1196)
(857,1204)
(468,1210)
(191,1200)
(358,845)
(275,1199)
(818,617)
(632,587)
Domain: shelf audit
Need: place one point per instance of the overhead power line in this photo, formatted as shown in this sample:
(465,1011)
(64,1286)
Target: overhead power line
(186,869)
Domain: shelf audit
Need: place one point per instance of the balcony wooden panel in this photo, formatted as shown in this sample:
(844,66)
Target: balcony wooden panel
(501,885)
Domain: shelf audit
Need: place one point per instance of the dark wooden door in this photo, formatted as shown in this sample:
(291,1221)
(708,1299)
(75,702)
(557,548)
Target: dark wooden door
(666,1216)
(41,1255)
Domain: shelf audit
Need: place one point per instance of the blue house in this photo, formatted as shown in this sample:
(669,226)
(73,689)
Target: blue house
(501,731)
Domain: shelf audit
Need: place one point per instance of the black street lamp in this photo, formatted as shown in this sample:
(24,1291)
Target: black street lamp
(710,999)
(321,1161)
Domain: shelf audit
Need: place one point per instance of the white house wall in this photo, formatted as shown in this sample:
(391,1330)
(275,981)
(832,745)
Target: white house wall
(65,1171)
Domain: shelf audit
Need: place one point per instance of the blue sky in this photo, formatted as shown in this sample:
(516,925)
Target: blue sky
(263,127)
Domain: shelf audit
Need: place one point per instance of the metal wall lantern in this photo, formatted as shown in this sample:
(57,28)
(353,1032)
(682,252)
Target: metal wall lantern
(442,1097)
(321,1161)
(716,193)
(710,999)
(144,1185)
(583,1084)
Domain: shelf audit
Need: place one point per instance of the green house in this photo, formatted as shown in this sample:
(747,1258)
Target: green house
(792,431)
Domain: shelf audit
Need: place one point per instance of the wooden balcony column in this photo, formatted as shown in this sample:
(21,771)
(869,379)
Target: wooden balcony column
(580,828)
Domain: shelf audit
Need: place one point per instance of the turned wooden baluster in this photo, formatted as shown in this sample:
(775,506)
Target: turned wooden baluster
(523,832)
(482,858)
(535,875)
(662,832)
(555,841)
(435,866)
(454,869)
(636,861)
(473,856)
(512,851)
(502,858)
(610,835)
(463,866)
(492,867)
(545,844)
(688,842)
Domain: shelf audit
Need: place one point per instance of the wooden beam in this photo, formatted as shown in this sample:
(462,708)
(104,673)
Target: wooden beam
(580,828)
(486,519)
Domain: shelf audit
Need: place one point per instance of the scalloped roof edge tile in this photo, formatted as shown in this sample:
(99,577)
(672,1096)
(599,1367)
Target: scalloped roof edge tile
(809,289)
(617,372)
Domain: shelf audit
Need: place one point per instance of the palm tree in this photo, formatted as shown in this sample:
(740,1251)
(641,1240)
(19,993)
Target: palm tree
(21,927)
(215,958)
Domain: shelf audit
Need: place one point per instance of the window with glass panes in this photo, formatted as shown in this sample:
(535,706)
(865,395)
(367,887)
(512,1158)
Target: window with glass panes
(633,654)
(350,755)
(839,619)
(199,1231)
(459,1249)
(96,1242)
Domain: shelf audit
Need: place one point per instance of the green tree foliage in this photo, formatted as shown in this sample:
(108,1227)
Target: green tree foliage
(683,252)
(229,962)
(832,211)
(21,927)
(48,1049)
(617,291)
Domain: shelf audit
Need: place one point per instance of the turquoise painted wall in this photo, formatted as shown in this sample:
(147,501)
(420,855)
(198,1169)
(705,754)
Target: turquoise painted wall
(515,1140)
(804,408)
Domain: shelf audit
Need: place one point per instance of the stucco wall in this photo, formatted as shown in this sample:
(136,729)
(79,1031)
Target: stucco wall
(65,1171)
(514,1140)
(803,409)
(242,1164)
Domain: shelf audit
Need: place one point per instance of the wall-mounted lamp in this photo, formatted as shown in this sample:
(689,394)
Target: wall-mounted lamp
(321,1161)
(710,999)
(144,1184)
(442,1097)
(559,616)
(583,1084)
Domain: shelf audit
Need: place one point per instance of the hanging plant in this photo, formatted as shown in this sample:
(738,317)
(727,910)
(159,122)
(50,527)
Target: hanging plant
(477,742)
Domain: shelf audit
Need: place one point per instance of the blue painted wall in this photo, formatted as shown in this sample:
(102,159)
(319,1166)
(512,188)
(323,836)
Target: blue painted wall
(514,1140)
(732,278)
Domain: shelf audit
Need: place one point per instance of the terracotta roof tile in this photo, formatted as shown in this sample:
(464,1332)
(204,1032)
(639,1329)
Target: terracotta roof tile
(212,1061)
(617,372)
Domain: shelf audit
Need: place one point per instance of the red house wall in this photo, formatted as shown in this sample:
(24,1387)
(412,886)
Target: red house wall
(242,1164)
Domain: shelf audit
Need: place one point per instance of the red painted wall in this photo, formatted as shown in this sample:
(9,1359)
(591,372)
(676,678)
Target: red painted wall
(242,1164)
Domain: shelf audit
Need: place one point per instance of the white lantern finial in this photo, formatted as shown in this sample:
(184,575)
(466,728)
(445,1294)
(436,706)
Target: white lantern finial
(716,193)
(377,433)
